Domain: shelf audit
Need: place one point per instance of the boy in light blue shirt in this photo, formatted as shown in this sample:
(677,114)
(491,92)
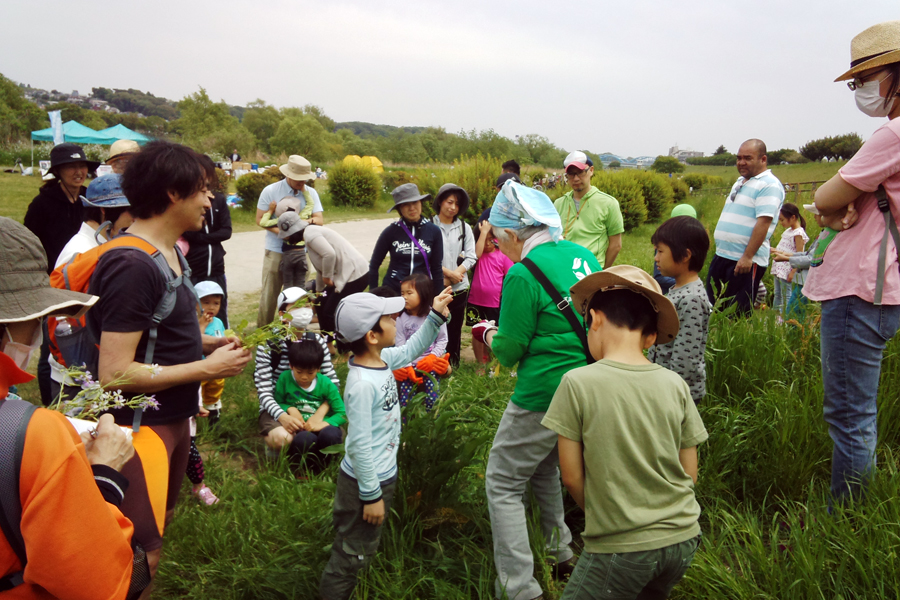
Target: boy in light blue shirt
(368,473)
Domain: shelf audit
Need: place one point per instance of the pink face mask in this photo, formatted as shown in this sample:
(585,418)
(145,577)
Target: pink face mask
(21,353)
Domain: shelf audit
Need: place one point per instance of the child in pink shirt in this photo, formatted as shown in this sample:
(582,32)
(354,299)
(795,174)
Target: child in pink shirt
(484,296)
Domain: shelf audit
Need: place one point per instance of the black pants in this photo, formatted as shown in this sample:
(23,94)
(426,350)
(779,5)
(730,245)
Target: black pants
(738,289)
(220,279)
(454,327)
(330,300)
(313,442)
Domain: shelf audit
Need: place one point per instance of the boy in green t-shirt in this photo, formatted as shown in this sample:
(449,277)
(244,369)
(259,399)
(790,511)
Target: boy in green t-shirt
(628,455)
(312,399)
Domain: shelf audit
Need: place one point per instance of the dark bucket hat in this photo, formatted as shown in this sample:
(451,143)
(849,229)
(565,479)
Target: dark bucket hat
(25,291)
(69,153)
(406,193)
(462,198)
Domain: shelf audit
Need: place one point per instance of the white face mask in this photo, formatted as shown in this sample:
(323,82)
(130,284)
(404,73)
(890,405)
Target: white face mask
(21,353)
(870,101)
(301,317)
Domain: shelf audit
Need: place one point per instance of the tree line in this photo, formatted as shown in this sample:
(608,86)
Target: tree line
(217,128)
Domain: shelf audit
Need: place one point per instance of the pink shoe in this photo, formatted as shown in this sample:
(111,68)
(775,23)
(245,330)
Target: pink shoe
(205,494)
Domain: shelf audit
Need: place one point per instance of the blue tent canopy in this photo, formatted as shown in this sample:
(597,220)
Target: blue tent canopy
(120,132)
(76,133)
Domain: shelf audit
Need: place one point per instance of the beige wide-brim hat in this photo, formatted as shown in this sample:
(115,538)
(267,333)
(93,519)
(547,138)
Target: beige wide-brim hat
(122,149)
(877,46)
(620,277)
(298,169)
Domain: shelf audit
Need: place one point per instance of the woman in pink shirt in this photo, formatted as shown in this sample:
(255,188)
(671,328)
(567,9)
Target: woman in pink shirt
(858,318)
(484,296)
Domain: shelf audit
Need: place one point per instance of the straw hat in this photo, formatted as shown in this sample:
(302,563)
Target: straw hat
(877,46)
(298,169)
(637,280)
(122,149)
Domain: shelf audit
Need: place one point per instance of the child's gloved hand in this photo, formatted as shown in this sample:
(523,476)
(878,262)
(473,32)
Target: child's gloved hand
(401,374)
(426,364)
(480,329)
(442,364)
(413,376)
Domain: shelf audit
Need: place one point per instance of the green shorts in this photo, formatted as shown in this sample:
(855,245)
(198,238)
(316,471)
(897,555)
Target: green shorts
(646,575)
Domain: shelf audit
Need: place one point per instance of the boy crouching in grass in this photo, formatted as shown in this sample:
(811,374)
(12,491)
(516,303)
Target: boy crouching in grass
(628,454)
(368,473)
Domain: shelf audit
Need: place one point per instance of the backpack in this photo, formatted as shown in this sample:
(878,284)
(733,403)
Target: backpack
(15,415)
(79,345)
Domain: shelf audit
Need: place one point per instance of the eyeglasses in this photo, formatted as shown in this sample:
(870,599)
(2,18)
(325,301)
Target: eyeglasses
(858,82)
(578,174)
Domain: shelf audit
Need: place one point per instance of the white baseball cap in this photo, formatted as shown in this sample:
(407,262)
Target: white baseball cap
(358,313)
(578,159)
(208,288)
(289,296)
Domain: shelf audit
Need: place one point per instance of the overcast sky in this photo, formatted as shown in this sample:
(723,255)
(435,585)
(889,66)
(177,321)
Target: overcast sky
(632,77)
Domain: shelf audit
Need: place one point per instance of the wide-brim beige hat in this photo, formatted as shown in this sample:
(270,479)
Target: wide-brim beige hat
(637,280)
(122,149)
(298,169)
(877,46)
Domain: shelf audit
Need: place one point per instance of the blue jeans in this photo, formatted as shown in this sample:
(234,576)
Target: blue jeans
(854,333)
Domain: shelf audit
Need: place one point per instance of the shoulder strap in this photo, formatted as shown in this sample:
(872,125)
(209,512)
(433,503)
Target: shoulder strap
(166,304)
(563,304)
(418,245)
(890,229)
(14,418)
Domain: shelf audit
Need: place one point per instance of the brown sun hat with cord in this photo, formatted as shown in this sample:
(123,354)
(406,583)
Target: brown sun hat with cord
(877,46)
(627,277)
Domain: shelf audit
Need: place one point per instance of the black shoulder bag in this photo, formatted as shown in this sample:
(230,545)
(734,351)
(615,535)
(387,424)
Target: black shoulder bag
(563,304)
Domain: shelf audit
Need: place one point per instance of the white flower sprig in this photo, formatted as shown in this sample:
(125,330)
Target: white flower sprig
(93,399)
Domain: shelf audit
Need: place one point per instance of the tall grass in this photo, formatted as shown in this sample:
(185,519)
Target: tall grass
(764,478)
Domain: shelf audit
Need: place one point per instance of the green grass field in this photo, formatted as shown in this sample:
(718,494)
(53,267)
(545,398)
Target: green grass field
(764,476)
(816,171)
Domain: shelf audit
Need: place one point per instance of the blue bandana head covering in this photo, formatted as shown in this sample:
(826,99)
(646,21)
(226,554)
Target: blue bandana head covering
(518,206)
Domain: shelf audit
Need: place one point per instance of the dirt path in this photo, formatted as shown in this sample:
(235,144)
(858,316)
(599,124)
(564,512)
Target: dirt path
(244,251)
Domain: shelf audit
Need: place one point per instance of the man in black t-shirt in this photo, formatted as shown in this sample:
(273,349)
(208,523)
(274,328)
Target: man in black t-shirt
(166,185)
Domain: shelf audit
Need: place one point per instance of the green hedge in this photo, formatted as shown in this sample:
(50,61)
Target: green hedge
(658,194)
(251,185)
(353,185)
(624,187)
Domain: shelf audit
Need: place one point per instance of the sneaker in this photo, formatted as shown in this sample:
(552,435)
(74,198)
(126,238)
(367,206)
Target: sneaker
(272,453)
(205,494)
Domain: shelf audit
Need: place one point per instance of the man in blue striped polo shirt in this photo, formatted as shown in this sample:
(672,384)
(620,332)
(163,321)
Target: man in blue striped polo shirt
(744,228)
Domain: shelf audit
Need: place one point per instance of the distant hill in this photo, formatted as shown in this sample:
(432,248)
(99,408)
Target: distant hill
(136,101)
(372,130)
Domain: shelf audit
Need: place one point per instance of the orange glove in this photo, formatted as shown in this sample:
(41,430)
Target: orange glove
(427,364)
(442,364)
(401,374)
(413,376)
